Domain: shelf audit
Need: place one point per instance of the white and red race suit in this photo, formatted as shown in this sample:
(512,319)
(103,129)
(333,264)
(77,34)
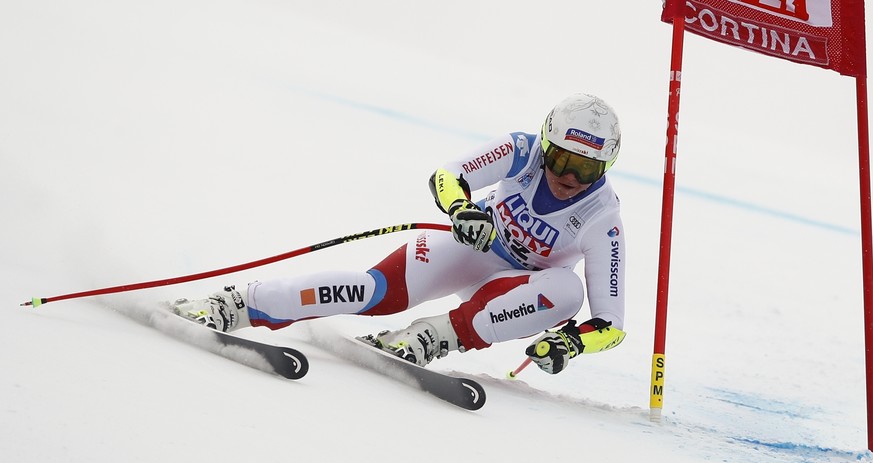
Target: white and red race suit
(526,282)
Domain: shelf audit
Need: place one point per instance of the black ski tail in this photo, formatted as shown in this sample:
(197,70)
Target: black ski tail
(281,360)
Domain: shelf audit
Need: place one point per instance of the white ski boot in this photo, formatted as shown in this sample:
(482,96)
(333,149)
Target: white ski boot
(223,311)
(424,340)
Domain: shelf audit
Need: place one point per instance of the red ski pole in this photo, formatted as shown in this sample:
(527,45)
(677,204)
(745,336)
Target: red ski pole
(236,268)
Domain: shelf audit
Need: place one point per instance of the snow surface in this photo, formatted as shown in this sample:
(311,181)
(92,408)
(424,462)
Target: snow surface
(147,140)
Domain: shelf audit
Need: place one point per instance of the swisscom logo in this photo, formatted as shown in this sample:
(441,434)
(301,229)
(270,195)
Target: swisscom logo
(614,263)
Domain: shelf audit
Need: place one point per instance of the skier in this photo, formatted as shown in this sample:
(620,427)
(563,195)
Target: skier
(510,258)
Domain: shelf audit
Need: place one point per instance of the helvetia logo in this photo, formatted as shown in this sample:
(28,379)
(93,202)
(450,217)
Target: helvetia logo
(543,303)
(331,294)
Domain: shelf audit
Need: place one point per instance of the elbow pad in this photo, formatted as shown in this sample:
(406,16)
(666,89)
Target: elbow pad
(446,189)
(597,335)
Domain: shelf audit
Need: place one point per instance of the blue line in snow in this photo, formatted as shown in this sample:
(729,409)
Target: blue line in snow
(723,200)
(805,451)
(397,115)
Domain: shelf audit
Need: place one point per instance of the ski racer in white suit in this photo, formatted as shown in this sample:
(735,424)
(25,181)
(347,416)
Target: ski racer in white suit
(511,256)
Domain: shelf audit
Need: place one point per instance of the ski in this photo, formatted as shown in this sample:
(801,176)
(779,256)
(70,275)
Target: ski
(458,391)
(284,361)
(292,364)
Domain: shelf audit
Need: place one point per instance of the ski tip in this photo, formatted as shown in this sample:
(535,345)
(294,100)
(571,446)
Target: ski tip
(298,367)
(477,394)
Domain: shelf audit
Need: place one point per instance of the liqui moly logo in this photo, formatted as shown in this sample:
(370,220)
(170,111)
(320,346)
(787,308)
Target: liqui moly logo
(526,230)
(587,139)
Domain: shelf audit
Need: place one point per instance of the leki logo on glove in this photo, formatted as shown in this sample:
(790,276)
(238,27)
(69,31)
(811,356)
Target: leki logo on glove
(331,294)
(543,303)
(525,229)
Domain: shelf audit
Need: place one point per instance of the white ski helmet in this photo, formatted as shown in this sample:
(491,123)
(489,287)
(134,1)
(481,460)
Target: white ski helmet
(585,125)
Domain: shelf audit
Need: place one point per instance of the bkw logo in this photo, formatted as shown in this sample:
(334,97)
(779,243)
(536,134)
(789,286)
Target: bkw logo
(331,294)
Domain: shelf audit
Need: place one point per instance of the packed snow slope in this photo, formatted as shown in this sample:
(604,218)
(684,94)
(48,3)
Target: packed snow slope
(147,140)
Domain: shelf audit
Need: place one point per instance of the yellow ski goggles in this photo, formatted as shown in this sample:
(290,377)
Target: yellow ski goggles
(561,161)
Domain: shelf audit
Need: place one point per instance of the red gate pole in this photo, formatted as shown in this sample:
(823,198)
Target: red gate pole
(656,401)
(866,243)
